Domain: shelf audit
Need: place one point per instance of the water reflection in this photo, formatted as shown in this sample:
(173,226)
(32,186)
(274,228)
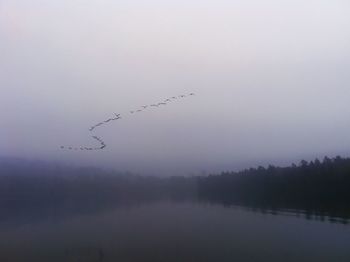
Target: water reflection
(165,230)
(20,211)
(308,214)
(331,214)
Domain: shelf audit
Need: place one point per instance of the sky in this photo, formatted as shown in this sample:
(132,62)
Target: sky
(271,79)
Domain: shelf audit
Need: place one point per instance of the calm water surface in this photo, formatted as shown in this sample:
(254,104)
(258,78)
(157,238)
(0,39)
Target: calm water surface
(173,231)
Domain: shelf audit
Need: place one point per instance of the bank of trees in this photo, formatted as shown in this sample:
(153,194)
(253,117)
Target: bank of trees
(315,184)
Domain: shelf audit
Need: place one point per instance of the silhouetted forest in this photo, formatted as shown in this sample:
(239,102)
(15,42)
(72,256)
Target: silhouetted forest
(310,185)
(31,186)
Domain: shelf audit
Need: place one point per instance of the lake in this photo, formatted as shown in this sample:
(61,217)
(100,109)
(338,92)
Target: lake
(172,231)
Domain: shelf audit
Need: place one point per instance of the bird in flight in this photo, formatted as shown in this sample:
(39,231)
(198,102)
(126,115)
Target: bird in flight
(117,116)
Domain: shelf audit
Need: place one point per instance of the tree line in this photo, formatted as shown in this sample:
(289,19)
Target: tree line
(316,184)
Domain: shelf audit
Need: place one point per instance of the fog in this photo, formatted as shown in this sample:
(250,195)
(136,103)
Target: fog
(271,80)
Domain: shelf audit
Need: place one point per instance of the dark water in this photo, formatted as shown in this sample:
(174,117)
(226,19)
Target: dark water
(173,231)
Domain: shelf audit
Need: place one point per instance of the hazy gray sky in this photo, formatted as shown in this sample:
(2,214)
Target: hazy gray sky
(272,81)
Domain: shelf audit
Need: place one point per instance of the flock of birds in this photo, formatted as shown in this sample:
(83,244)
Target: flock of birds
(101,143)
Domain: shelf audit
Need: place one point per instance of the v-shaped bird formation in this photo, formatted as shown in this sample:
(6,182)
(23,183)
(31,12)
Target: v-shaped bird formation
(101,143)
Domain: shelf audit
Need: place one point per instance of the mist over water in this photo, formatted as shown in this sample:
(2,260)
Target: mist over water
(135,130)
(123,124)
(270,79)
